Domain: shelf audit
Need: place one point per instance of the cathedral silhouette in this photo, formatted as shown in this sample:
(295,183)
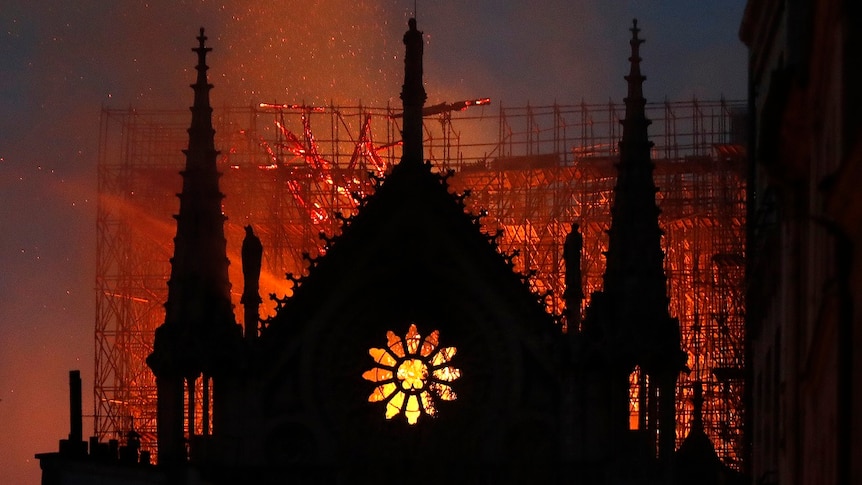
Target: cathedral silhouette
(411,351)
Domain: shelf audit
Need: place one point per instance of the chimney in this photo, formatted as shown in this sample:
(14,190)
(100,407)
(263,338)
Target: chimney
(75,445)
(76,414)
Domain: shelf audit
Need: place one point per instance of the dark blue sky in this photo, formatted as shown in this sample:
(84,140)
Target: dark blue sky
(61,62)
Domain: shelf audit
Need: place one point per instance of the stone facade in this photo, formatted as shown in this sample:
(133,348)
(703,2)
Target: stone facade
(804,275)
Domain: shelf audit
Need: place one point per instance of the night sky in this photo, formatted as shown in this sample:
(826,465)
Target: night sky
(62,61)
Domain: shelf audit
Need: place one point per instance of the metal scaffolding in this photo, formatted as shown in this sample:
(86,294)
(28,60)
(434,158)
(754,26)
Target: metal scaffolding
(290,170)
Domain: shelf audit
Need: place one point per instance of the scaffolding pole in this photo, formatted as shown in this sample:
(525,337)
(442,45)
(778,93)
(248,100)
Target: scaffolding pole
(288,170)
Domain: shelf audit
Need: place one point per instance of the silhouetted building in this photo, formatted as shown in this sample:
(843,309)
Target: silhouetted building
(804,325)
(102,463)
(199,339)
(627,329)
(411,349)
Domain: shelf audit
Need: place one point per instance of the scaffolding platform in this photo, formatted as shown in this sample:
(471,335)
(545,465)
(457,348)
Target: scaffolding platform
(292,171)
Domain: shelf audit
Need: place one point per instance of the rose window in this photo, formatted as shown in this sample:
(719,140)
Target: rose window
(411,374)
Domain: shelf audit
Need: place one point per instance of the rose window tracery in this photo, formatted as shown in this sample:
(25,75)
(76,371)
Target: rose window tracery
(412,374)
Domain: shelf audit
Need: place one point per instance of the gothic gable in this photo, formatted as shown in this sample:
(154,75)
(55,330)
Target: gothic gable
(412,260)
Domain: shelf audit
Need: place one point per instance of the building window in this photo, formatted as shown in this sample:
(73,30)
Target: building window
(638,383)
(411,374)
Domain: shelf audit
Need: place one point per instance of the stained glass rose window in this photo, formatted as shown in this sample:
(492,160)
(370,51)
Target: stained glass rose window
(412,374)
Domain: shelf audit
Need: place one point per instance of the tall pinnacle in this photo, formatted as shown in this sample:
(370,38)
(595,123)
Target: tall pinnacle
(632,310)
(197,338)
(634,275)
(198,310)
(627,324)
(412,96)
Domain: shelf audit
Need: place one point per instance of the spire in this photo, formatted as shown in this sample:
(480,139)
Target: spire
(412,96)
(634,276)
(636,123)
(199,288)
(628,321)
(196,337)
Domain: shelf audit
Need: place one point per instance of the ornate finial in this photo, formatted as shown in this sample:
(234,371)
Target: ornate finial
(202,86)
(635,78)
(413,94)
(202,51)
(635,30)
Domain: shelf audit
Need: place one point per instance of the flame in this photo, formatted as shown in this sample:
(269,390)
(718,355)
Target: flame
(291,189)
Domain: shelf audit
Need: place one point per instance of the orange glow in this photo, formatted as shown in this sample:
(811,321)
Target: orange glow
(290,197)
(410,372)
(637,383)
(476,102)
(316,109)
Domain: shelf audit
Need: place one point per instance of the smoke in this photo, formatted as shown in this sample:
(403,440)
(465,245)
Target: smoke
(62,61)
